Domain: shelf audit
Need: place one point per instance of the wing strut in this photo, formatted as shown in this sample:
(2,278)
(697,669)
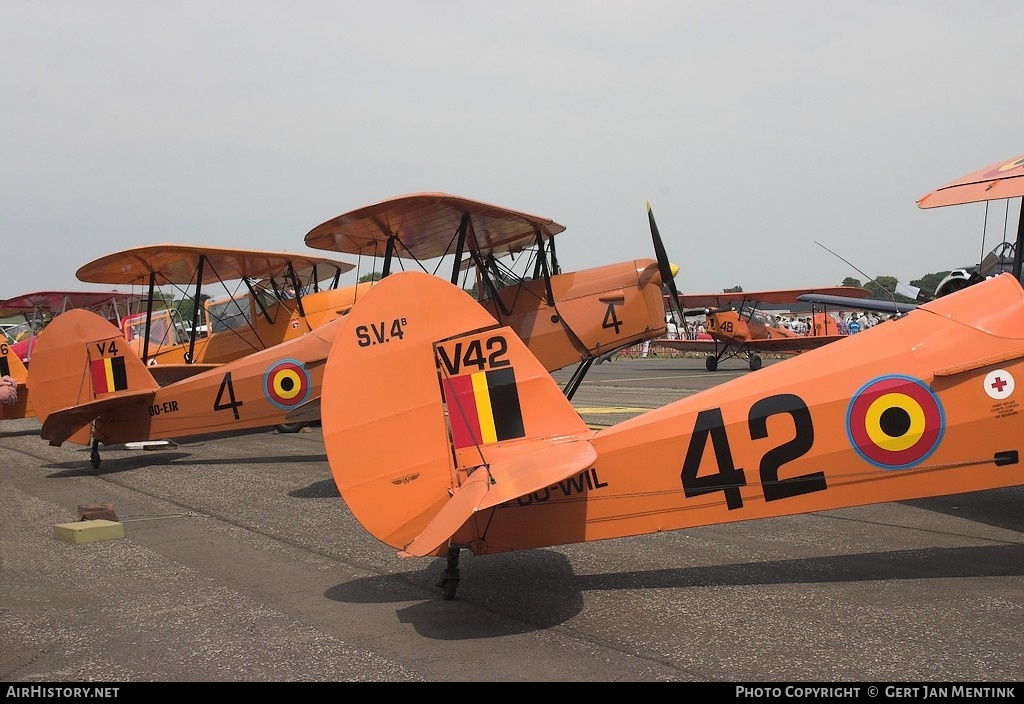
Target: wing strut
(149,316)
(484,273)
(195,313)
(460,246)
(297,289)
(543,261)
(1019,247)
(577,377)
(389,253)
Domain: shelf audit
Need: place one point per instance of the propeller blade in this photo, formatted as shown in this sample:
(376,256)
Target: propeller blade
(664,265)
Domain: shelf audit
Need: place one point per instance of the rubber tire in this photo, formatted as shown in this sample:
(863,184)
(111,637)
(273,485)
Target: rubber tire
(290,427)
(711,363)
(755,362)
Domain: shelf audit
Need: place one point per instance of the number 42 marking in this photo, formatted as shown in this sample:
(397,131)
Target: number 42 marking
(729,478)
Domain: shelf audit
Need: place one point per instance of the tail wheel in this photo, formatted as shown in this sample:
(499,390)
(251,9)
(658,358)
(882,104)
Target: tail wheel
(290,427)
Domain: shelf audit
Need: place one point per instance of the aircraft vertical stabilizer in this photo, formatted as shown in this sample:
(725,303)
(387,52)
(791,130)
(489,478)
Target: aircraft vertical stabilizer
(81,360)
(431,411)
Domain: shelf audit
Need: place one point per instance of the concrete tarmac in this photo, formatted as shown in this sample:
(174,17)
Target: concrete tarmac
(241,563)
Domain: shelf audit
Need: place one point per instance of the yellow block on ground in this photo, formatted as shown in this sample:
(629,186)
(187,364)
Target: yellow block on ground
(88,531)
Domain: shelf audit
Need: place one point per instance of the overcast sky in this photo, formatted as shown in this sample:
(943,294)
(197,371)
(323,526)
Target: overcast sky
(754,129)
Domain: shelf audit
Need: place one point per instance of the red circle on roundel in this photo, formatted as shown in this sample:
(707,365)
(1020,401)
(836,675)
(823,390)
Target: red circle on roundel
(1008,166)
(894,422)
(287,384)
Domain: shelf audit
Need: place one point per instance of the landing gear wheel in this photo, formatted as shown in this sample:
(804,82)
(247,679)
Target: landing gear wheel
(711,363)
(755,362)
(450,579)
(94,456)
(290,427)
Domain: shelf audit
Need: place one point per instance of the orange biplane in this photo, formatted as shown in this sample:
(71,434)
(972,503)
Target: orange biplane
(36,310)
(495,458)
(271,297)
(1002,180)
(740,326)
(85,378)
(570,318)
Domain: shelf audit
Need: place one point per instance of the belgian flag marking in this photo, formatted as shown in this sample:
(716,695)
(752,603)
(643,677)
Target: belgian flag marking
(5,367)
(484,407)
(895,422)
(108,375)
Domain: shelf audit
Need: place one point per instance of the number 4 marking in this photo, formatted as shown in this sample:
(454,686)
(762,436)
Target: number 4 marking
(219,405)
(610,319)
(728,479)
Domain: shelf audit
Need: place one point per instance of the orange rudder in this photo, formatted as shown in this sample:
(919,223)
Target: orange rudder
(428,407)
(81,359)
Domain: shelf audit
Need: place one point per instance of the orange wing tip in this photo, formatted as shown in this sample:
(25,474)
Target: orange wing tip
(536,464)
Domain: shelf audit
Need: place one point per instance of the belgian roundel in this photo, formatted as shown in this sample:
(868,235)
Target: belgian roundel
(1008,166)
(286,384)
(895,422)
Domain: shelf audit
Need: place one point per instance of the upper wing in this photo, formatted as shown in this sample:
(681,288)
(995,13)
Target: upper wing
(717,300)
(57,301)
(875,304)
(180,264)
(426,226)
(1004,179)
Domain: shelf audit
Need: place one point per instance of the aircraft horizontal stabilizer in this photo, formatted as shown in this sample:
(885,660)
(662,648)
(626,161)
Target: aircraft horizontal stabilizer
(525,471)
(62,424)
(306,413)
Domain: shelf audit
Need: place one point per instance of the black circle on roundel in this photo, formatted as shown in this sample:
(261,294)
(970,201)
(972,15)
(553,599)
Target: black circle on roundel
(895,422)
(287,384)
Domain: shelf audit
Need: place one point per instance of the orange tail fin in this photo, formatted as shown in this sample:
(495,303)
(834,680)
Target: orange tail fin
(81,359)
(431,411)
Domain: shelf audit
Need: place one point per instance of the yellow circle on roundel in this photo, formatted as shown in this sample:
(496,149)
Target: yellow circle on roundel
(873,422)
(280,388)
(1011,165)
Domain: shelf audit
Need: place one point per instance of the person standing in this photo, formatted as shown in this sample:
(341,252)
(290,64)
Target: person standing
(8,391)
(672,330)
